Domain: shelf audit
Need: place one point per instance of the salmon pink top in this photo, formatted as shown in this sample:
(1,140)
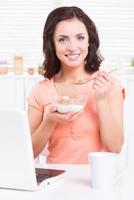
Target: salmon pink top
(69,143)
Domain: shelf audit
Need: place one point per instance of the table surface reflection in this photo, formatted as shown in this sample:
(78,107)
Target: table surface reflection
(76,185)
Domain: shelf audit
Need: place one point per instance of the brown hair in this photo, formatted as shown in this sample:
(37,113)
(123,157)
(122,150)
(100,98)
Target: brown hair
(52,63)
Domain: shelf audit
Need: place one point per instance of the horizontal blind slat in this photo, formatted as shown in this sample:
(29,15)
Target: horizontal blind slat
(21,24)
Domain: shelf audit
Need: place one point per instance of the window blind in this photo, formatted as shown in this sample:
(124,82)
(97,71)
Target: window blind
(115,23)
(21,27)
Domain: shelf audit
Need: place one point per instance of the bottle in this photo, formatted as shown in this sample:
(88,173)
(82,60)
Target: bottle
(18,64)
(3,67)
(41,70)
(30,70)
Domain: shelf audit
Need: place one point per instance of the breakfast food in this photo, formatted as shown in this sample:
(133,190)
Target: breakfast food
(64,100)
(66,104)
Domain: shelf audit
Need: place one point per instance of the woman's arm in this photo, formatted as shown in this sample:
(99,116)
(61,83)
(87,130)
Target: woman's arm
(42,125)
(111,123)
(41,129)
(109,101)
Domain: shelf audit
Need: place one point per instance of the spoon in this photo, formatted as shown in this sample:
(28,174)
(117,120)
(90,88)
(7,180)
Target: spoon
(87,80)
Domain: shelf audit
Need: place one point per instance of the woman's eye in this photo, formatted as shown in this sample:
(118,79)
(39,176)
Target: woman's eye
(80,38)
(61,40)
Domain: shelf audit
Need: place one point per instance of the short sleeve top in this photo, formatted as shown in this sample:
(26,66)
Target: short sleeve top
(69,143)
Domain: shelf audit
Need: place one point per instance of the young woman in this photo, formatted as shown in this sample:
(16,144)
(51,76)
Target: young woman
(70,46)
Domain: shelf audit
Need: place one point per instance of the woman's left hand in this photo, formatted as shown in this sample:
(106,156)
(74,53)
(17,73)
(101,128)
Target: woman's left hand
(102,85)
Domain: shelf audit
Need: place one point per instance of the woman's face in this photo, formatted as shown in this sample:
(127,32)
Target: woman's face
(71,42)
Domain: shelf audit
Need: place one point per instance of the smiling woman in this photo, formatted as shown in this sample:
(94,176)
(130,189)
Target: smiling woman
(71,50)
(71,45)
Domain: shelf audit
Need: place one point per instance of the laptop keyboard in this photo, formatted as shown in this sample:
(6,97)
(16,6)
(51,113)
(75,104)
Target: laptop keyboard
(41,177)
(42,174)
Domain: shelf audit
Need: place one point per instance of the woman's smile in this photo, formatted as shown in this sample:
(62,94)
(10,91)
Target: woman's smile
(73,57)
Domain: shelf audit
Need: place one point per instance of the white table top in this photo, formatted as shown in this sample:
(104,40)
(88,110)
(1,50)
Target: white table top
(76,186)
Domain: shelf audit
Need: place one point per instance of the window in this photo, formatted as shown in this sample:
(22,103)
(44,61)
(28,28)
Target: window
(114,20)
(21,27)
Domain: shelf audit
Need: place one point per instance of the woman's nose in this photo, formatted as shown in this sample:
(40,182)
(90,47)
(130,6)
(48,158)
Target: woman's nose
(72,45)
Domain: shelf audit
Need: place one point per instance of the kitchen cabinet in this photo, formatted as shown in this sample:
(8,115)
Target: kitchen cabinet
(14,91)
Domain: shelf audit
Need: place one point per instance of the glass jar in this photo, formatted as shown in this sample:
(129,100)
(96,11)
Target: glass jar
(30,70)
(18,64)
(3,67)
(41,70)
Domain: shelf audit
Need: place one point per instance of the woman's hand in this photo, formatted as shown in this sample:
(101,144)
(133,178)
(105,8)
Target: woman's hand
(109,103)
(103,86)
(52,115)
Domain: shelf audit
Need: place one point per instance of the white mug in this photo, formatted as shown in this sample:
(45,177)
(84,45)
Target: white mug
(105,169)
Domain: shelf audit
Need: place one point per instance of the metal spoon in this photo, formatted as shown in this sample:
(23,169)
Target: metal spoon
(87,80)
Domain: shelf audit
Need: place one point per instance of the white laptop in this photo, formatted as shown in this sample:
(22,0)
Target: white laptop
(17,166)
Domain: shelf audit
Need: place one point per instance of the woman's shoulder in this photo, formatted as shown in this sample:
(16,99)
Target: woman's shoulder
(44,83)
(115,80)
(118,85)
(41,93)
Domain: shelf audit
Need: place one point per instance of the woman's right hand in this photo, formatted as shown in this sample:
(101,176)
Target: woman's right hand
(52,114)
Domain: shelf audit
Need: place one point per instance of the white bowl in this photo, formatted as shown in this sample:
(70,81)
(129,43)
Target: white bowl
(65,104)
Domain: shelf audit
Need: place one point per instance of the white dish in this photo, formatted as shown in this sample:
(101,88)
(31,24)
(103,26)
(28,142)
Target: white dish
(69,108)
(65,104)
